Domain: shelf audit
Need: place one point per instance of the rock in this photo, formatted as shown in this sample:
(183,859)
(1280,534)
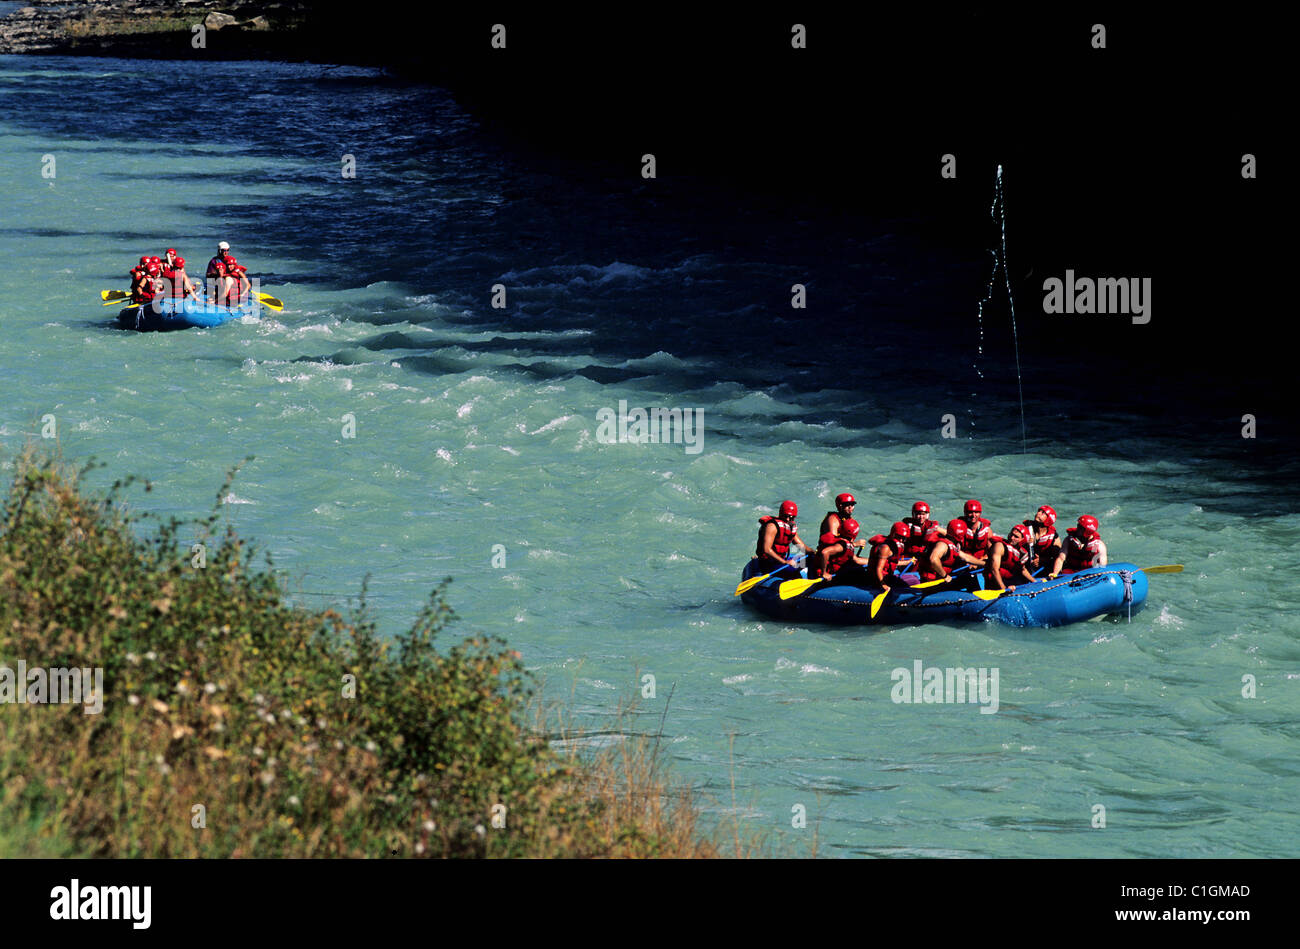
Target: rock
(215,21)
(257,23)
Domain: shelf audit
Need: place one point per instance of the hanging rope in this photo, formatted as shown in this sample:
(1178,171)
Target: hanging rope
(998,212)
(1001,207)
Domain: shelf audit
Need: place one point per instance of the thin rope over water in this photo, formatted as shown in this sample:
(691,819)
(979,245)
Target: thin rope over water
(998,212)
(1000,204)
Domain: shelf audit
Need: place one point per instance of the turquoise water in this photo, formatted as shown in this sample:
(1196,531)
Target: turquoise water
(477,427)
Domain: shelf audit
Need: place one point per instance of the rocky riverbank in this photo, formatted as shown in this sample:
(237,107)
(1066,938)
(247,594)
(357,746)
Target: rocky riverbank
(237,27)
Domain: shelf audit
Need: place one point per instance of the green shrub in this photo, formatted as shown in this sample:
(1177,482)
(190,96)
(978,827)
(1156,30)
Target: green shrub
(219,695)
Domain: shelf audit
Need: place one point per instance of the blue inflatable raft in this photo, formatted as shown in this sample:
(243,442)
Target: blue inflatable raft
(1119,588)
(172,314)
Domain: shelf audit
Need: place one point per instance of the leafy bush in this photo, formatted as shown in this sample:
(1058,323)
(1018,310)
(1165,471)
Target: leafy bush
(237,725)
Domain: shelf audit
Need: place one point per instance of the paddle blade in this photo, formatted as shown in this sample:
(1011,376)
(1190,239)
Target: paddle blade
(930,583)
(113,294)
(270,302)
(1164,568)
(987,594)
(877,603)
(750,584)
(795,587)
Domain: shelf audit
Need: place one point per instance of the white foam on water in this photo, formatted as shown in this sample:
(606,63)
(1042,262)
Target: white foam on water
(1167,618)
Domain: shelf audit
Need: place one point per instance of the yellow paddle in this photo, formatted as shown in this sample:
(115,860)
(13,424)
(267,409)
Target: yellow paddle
(755,581)
(1164,568)
(114,295)
(795,587)
(270,302)
(879,601)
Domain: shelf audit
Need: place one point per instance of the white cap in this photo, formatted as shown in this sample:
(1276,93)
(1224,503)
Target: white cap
(223,246)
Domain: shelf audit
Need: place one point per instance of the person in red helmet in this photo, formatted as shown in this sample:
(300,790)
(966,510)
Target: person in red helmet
(943,554)
(1083,548)
(178,282)
(776,535)
(168,261)
(919,527)
(147,288)
(1009,560)
(220,282)
(979,533)
(1044,542)
(138,275)
(844,505)
(835,559)
(240,286)
(888,553)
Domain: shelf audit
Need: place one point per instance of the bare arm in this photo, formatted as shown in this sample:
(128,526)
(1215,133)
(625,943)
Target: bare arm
(994,578)
(1060,562)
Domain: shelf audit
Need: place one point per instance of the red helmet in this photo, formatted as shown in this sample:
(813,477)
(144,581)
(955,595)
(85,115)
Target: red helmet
(920,509)
(899,531)
(1018,529)
(144,261)
(974,507)
(957,529)
(849,528)
(230,261)
(1088,524)
(789,510)
(180,263)
(153,269)
(844,499)
(1051,514)
(170,250)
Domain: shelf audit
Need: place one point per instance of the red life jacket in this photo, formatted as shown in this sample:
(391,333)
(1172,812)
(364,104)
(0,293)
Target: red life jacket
(217,269)
(979,540)
(145,290)
(950,559)
(1080,555)
(169,274)
(835,561)
(915,544)
(1044,537)
(1011,557)
(138,276)
(784,534)
(895,556)
(826,521)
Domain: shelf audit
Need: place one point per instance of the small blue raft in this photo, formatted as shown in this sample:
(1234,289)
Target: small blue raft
(1116,589)
(173,314)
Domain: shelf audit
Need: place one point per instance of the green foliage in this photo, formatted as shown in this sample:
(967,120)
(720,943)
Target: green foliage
(226,706)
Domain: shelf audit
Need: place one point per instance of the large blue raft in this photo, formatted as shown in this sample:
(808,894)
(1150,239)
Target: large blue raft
(1119,588)
(173,314)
